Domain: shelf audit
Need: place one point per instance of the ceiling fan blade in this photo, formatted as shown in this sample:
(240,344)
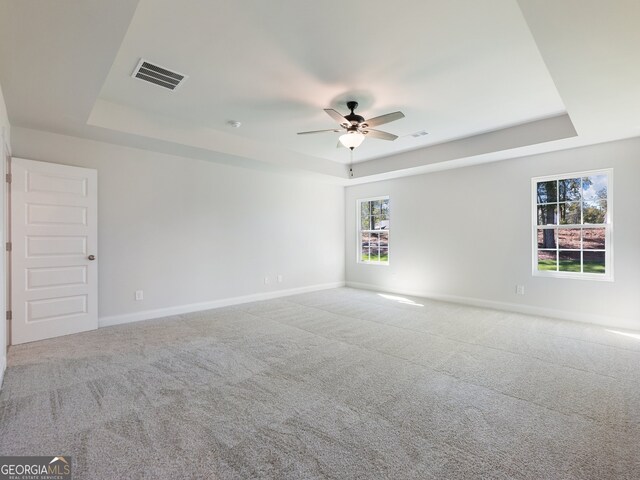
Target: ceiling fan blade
(382,119)
(379,134)
(337,117)
(319,131)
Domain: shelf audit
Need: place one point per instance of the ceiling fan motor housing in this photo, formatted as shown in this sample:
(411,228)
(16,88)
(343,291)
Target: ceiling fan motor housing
(352,117)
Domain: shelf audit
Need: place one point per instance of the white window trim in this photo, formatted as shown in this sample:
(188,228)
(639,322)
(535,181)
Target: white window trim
(358,230)
(608,276)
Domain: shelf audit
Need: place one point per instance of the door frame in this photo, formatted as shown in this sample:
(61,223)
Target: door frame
(5,225)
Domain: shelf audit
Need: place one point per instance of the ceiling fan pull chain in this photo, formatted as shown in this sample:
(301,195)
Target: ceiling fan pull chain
(351,164)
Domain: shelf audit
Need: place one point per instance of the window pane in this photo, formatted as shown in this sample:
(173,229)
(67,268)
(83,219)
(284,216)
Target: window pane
(593,238)
(376,207)
(594,187)
(569,189)
(371,239)
(381,224)
(383,242)
(385,209)
(547,260)
(364,208)
(547,214)
(595,211)
(364,222)
(570,213)
(365,241)
(547,192)
(569,261)
(594,262)
(373,247)
(569,238)
(547,237)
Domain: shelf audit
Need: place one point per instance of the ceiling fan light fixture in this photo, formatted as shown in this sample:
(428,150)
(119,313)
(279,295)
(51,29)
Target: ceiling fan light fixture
(351,139)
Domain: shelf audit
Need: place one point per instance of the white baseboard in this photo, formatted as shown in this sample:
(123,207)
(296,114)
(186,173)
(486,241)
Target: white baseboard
(197,307)
(3,367)
(601,320)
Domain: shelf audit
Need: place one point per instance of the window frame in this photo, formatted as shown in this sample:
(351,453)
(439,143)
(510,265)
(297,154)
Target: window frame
(359,231)
(608,226)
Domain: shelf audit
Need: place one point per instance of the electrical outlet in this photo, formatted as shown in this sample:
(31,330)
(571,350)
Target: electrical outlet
(280,278)
(139,295)
(266,280)
(520,289)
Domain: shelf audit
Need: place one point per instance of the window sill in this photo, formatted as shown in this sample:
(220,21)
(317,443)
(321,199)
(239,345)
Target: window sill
(574,276)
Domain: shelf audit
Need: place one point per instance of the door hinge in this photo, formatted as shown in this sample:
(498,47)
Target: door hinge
(8,247)
(8,177)
(9,315)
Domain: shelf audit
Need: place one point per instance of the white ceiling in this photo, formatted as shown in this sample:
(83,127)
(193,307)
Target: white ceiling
(467,72)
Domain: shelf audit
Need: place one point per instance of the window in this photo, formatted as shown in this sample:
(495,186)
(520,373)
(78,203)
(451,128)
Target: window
(572,220)
(373,230)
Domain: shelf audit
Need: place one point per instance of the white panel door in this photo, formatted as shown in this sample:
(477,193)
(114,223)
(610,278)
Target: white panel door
(54,235)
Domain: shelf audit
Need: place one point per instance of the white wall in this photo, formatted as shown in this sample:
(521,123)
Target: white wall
(185,231)
(189,231)
(465,235)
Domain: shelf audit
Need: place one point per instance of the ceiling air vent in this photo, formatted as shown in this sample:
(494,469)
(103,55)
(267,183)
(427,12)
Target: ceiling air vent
(149,72)
(421,133)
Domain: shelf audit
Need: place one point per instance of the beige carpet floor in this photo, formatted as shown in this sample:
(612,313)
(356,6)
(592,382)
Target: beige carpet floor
(339,384)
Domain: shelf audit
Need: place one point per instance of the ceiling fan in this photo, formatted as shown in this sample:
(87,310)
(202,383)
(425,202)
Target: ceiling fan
(356,127)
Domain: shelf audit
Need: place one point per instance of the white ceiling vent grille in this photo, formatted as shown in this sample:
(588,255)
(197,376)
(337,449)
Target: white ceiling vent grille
(421,133)
(161,76)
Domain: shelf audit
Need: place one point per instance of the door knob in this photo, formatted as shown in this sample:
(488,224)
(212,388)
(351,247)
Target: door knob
(91,257)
